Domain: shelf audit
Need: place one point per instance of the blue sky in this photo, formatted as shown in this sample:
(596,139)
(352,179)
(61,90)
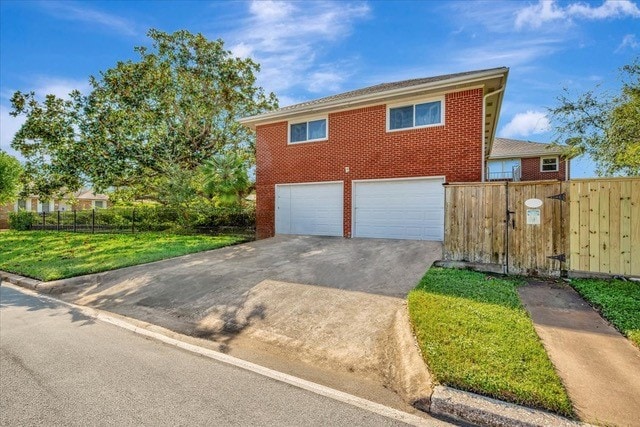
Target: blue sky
(313,49)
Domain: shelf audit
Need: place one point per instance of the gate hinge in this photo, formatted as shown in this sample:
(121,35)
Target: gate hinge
(561,196)
(561,257)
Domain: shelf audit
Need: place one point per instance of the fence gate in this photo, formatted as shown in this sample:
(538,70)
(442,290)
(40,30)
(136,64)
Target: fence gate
(490,223)
(536,227)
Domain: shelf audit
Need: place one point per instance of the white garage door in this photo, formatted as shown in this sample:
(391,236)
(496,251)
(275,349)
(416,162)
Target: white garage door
(399,209)
(309,209)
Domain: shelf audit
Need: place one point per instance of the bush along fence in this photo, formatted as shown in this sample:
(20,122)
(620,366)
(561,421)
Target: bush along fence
(139,219)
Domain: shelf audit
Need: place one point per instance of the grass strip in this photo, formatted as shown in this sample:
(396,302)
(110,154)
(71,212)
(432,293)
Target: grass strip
(50,255)
(475,335)
(617,300)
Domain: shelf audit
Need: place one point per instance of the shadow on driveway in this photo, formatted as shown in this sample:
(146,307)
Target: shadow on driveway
(321,298)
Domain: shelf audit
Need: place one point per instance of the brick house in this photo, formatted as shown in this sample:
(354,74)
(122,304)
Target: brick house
(371,162)
(81,200)
(516,160)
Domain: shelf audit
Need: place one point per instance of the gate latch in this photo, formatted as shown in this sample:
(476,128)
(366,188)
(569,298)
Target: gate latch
(561,257)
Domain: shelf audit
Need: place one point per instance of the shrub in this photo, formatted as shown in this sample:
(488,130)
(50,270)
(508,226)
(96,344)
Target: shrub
(21,220)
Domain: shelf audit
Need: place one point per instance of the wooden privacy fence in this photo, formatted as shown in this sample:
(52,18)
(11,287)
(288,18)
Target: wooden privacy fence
(546,227)
(605,226)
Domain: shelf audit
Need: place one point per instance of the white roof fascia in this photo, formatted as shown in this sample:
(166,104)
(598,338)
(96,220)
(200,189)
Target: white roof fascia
(274,115)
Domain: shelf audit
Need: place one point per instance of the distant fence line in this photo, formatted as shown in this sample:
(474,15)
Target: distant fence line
(144,218)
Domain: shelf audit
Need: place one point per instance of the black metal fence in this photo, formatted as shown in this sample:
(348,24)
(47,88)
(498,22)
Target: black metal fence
(141,219)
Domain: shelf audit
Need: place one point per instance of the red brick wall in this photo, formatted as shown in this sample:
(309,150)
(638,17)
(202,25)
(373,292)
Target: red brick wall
(358,139)
(531,170)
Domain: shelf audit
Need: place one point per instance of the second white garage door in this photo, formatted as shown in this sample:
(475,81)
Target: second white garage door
(314,209)
(399,209)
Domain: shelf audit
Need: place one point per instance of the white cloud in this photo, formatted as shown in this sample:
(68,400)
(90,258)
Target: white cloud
(59,87)
(288,40)
(608,9)
(242,50)
(9,125)
(511,53)
(546,11)
(525,124)
(629,41)
(322,81)
(284,100)
(72,11)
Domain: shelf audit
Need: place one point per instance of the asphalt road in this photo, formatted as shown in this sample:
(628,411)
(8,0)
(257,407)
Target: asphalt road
(59,367)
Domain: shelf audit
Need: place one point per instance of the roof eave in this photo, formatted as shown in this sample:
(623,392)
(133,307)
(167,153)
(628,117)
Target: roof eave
(264,118)
(524,156)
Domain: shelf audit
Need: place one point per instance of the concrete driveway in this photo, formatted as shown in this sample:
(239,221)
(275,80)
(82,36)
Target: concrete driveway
(332,302)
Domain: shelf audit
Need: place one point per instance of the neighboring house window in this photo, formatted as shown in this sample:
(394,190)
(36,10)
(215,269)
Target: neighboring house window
(416,115)
(22,205)
(45,207)
(98,204)
(313,130)
(503,169)
(549,164)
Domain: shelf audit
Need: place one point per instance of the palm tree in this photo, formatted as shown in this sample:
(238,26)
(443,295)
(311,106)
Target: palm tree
(225,178)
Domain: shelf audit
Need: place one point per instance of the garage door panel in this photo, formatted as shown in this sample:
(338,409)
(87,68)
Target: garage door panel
(399,209)
(314,209)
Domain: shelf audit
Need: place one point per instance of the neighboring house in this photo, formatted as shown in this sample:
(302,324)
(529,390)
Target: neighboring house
(81,200)
(371,162)
(515,160)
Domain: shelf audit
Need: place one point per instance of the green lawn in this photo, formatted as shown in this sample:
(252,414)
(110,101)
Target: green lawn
(49,255)
(476,336)
(618,301)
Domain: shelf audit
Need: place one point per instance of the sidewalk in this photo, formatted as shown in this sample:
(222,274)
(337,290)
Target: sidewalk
(598,366)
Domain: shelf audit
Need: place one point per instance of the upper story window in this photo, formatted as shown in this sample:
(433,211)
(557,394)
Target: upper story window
(312,130)
(503,169)
(98,204)
(549,164)
(422,114)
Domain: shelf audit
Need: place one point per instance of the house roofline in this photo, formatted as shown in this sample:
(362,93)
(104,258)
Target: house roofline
(527,156)
(278,115)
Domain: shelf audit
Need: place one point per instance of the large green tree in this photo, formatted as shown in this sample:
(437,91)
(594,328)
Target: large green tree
(174,107)
(604,126)
(10,170)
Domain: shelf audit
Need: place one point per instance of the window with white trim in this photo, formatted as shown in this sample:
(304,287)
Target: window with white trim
(548,164)
(98,204)
(417,115)
(22,205)
(46,206)
(312,130)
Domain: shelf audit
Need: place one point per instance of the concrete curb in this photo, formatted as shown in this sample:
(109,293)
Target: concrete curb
(24,282)
(484,411)
(404,370)
(53,287)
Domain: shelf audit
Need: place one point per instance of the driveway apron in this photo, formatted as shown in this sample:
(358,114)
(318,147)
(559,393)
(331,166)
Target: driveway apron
(331,302)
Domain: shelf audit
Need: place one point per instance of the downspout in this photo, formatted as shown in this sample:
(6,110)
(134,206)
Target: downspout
(484,118)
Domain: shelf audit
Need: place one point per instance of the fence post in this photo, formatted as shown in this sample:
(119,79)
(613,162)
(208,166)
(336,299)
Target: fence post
(58,224)
(93,220)
(44,214)
(133,220)
(74,221)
